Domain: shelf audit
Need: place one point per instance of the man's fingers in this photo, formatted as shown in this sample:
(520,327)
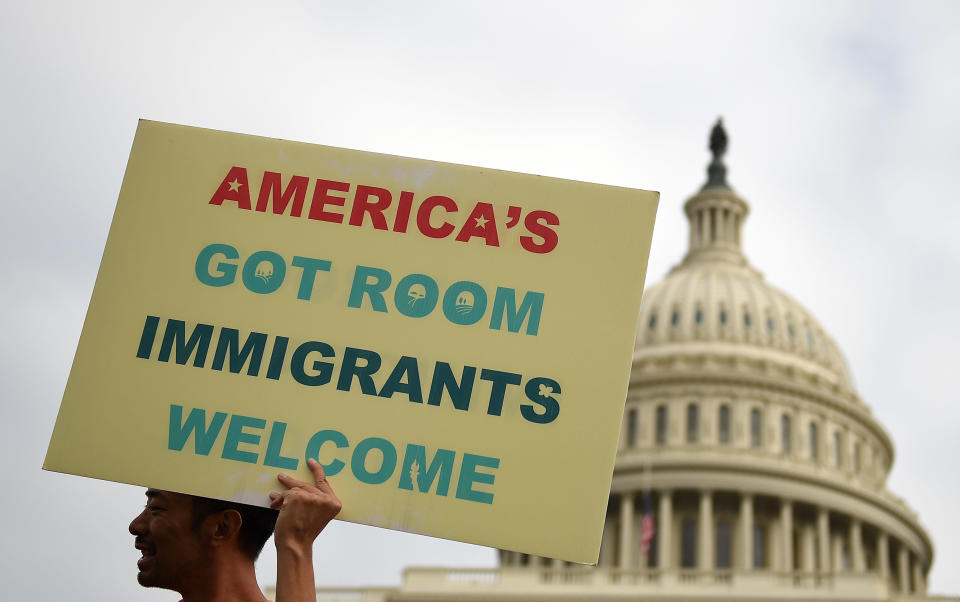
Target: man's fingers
(291,482)
(319,476)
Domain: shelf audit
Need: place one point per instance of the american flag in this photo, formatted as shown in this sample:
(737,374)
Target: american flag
(647,528)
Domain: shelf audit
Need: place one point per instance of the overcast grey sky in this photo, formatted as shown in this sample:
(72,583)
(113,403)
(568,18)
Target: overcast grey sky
(845,139)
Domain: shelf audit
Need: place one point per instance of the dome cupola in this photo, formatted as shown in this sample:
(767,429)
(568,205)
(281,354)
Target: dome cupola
(716,213)
(715,304)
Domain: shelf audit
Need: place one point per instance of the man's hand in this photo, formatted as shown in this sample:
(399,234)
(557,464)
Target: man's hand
(305,510)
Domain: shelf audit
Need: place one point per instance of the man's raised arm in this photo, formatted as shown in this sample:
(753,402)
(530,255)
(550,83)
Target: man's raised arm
(305,509)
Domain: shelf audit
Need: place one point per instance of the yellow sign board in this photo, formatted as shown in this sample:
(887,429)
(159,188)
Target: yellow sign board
(452,343)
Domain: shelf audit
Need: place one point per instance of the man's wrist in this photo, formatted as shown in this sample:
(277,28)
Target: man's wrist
(294,548)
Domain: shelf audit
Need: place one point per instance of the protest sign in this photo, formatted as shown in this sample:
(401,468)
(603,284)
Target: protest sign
(452,343)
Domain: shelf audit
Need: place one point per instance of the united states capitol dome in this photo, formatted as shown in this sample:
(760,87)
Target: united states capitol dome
(746,441)
(714,303)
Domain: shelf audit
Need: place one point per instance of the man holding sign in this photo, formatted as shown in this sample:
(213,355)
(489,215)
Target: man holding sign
(205,549)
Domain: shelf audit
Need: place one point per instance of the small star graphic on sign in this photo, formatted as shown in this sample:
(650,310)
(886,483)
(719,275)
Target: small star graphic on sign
(546,391)
(235,185)
(481,221)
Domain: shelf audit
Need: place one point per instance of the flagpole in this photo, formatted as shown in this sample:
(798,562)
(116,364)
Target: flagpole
(647,529)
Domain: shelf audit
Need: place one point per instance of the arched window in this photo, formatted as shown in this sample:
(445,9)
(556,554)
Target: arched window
(693,423)
(756,428)
(661,425)
(785,434)
(814,442)
(723,424)
(631,427)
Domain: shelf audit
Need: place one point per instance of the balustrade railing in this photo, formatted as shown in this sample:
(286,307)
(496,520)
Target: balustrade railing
(508,577)
(757,583)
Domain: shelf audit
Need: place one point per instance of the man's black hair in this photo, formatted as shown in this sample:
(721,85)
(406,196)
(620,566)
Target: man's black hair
(256,526)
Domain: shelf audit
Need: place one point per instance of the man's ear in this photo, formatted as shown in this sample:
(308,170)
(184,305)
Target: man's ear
(221,528)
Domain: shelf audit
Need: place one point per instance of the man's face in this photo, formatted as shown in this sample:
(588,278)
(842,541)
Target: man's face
(167,538)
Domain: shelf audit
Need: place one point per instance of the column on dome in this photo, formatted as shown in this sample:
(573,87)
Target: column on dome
(705,547)
(664,530)
(693,230)
(823,539)
(704,227)
(786,535)
(622,437)
(883,555)
(903,568)
(746,530)
(856,546)
(557,563)
(626,531)
(807,548)
(918,585)
(721,225)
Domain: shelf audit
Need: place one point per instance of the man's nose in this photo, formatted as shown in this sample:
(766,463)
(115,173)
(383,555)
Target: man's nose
(137,524)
